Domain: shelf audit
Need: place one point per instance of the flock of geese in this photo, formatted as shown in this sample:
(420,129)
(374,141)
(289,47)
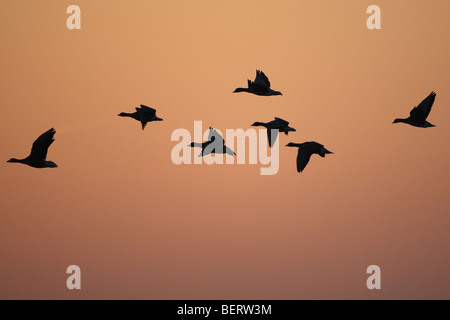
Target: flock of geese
(216,144)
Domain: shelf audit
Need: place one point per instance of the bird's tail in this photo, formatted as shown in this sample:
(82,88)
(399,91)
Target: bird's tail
(323,152)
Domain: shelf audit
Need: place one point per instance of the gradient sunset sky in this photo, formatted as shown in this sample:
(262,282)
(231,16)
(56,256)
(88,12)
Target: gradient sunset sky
(141,227)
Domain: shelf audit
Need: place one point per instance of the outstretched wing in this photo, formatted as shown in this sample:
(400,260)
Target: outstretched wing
(261,79)
(149,112)
(272,135)
(423,109)
(41,145)
(280,121)
(213,133)
(142,117)
(303,156)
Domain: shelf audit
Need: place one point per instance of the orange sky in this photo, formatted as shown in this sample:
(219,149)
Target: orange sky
(141,227)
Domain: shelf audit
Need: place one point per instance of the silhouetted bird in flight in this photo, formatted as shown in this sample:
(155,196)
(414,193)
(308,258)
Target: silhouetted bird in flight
(260,87)
(279,125)
(418,115)
(38,155)
(215,144)
(305,151)
(143,114)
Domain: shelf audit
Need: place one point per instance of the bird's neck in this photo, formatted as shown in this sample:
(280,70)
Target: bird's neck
(126,114)
(14,160)
(257,124)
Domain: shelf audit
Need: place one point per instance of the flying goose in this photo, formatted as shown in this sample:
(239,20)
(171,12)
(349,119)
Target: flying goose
(260,87)
(143,114)
(215,144)
(306,150)
(418,115)
(279,125)
(38,154)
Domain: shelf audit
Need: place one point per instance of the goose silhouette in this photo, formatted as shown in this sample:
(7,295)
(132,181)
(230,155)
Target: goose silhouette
(418,115)
(306,150)
(215,144)
(279,125)
(260,87)
(143,114)
(38,154)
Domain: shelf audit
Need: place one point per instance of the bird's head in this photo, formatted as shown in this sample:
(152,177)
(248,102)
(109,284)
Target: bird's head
(256,124)
(122,114)
(277,93)
(397,120)
(239,90)
(291,144)
(12,160)
(157,119)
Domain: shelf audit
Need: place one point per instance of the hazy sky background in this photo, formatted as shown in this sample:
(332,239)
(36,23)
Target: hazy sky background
(141,227)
